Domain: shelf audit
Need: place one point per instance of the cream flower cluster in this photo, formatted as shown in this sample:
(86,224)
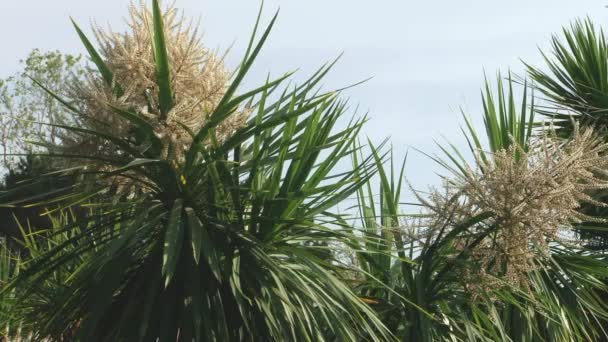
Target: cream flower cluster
(199,80)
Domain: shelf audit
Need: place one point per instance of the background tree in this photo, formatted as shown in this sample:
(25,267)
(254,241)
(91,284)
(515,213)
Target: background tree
(24,105)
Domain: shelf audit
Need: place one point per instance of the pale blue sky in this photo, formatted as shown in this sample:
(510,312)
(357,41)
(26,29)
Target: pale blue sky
(427,57)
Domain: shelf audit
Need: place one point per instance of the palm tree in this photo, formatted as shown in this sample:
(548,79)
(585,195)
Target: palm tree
(227,243)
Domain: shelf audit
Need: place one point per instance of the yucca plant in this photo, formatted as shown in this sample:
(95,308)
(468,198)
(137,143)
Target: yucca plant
(226,243)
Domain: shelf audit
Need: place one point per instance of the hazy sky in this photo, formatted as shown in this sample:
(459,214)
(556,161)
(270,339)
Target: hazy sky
(427,57)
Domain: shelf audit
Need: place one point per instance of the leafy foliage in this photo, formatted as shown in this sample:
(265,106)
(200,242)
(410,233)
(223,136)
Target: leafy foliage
(23,104)
(29,167)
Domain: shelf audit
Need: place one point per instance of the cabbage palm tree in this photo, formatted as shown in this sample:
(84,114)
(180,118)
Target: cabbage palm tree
(439,296)
(576,87)
(570,278)
(228,243)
